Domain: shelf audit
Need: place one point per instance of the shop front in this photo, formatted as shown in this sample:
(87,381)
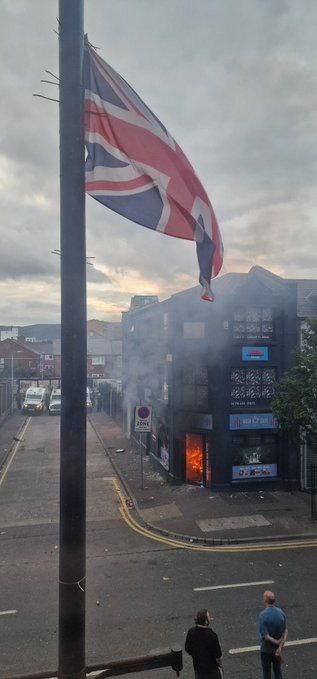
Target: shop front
(254,444)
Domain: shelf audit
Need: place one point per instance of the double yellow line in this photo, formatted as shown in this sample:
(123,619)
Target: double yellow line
(178,544)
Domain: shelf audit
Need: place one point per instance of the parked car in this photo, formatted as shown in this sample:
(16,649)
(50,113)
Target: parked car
(55,405)
(34,401)
(88,401)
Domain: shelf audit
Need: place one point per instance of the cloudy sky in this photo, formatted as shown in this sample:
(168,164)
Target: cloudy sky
(234,81)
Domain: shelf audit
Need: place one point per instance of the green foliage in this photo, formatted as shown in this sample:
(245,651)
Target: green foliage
(295,401)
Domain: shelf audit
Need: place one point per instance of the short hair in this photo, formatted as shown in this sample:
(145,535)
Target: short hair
(202,617)
(269,596)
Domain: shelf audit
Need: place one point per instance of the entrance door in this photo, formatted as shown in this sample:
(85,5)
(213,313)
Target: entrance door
(195,462)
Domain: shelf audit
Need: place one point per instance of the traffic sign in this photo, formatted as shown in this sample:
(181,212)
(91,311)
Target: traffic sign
(143,418)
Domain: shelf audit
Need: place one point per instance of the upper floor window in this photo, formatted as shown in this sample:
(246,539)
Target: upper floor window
(252,386)
(98,360)
(193,330)
(253,324)
(195,387)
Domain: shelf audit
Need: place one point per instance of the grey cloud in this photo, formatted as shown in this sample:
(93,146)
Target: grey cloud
(234,82)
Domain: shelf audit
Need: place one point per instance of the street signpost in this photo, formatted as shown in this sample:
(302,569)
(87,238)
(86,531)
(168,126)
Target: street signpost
(142,424)
(143,418)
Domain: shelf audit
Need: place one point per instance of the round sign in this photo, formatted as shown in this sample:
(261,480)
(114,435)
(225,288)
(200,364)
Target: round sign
(143,412)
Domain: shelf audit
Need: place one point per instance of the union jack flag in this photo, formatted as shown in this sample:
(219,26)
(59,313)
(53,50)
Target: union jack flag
(137,169)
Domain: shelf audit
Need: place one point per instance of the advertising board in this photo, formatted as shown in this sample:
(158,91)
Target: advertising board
(253,471)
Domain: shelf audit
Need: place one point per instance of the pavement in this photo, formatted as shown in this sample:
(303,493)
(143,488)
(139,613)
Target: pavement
(200,514)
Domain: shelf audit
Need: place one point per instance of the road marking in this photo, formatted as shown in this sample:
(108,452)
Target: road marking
(14,451)
(250,649)
(8,612)
(178,544)
(237,584)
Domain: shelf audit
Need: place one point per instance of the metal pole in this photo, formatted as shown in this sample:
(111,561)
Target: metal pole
(141,461)
(72,566)
(11,384)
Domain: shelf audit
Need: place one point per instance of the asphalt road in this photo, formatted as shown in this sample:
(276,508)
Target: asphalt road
(145,588)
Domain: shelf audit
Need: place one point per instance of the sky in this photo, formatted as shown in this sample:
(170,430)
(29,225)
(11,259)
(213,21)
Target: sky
(235,83)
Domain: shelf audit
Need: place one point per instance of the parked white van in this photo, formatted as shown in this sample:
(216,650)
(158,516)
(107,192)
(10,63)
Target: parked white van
(34,401)
(55,405)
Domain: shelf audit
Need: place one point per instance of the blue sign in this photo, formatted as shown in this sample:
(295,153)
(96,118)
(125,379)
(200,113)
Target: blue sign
(253,471)
(255,353)
(253,421)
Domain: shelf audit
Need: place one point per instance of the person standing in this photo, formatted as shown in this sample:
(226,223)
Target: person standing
(203,645)
(273,634)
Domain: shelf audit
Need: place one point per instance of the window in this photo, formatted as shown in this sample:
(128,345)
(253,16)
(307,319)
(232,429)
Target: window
(251,386)
(193,330)
(195,387)
(254,456)
(1,364)
(253,324)
(98,360)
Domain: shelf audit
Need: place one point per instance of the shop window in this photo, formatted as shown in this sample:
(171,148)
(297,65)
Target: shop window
(254,456)
(252,386)
(253,324)
(194,458)
(195,387)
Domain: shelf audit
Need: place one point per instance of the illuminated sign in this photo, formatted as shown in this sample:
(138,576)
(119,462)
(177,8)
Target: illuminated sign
(253,471)
(252,421)
(255,353)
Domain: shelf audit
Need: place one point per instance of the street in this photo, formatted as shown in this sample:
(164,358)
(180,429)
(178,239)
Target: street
(140,592)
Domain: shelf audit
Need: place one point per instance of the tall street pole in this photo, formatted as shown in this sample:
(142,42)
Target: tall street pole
(12,385)
(72,563)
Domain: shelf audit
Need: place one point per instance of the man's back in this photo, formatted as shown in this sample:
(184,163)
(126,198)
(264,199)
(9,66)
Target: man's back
(273,623)
(203,645)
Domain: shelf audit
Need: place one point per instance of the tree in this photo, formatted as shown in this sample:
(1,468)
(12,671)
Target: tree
(295,401)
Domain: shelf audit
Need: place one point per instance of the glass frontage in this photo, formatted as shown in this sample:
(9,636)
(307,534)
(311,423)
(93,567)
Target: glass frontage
(254,456)
(195,458)
(253,324)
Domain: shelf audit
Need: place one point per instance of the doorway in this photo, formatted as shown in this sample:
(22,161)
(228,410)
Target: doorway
(198,469)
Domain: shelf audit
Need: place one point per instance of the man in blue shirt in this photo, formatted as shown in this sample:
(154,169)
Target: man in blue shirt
(273,634)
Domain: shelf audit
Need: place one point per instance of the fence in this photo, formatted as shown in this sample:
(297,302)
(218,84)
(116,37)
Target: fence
(313,491)
(5,398)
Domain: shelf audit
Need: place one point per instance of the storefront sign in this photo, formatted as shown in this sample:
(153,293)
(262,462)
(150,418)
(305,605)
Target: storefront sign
(254,471)
(143,417)
(253,421)
(165,458)
(255,353)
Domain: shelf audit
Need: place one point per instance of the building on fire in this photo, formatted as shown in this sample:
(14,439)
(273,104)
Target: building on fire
(208,370)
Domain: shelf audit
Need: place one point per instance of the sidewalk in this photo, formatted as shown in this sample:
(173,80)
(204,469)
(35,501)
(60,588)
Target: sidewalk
(8,429)
(200,513)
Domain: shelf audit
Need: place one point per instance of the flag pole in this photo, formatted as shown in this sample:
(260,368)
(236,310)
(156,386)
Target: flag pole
(72,560)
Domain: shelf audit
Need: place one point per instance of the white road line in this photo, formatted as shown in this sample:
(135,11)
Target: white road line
(8,612)
(296,642)
(237,584)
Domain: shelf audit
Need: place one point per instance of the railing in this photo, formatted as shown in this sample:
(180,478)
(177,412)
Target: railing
(146,663)
(313,491)
(5,397)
